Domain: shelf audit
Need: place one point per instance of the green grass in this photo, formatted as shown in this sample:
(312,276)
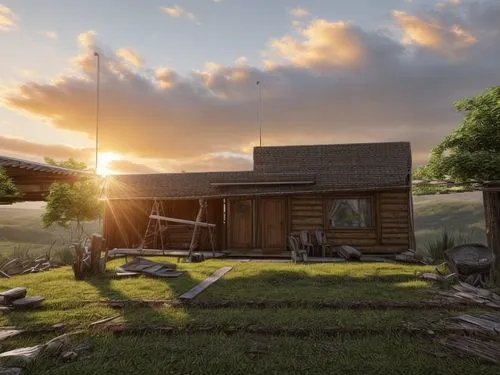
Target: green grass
(253,354)
(247,281)
(356,348)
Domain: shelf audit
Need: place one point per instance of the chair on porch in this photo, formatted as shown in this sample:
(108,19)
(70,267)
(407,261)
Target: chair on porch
(306,241)
(297,252)
(322,243)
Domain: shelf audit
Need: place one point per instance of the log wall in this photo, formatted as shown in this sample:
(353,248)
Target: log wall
(390,232)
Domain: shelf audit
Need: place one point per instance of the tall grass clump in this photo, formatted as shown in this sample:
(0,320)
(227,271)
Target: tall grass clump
(444,241)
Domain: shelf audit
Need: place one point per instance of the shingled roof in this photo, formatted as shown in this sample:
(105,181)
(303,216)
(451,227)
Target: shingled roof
(281,170)
(7,161)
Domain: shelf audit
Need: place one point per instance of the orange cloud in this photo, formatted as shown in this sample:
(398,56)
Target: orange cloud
(7,19)
(299,12)
(131,56)
(178,12)
(431,33)
(326,44)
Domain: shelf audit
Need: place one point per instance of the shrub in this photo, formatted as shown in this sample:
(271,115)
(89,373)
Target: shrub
(444,241)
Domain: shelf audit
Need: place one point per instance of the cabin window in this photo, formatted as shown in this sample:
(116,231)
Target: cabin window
(350,213)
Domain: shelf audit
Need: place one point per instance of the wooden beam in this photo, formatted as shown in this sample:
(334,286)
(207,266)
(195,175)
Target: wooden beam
(182,221)
(192,293)
(254,183)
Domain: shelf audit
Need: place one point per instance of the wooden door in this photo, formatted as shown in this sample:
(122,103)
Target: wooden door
(240,224)
(273,224)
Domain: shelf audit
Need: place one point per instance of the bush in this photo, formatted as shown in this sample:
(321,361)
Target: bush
(64,255)
(22,252)
(444,241)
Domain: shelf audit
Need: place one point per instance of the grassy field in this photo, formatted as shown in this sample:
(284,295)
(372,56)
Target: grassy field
(236,339)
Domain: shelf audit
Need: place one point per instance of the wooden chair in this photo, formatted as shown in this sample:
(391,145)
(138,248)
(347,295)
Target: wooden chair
(297,253)
(322,243)
(305,240)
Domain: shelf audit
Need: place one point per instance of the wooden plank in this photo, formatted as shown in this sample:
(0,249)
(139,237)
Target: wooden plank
(394,195)
(392,206)
(307,212)
(192,293)
(174,220)
(394,215)
(318,221)
(393,230)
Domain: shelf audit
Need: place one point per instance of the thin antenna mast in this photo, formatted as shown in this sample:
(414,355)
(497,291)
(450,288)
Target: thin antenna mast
(260,112)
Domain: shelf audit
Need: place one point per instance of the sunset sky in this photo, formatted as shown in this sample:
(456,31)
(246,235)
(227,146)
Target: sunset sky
(178,79)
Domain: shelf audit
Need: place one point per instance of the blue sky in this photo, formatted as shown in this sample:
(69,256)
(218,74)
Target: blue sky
(399,85)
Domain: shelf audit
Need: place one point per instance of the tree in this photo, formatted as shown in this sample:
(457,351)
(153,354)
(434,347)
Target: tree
(70,163)
(7,188)
(472,151)
(70,205)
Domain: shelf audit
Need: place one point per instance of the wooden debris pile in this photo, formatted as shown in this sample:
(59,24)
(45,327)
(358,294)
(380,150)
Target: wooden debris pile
(14,361)
(88,260)
(147,267)
(485,344)
(409,256)
(18,266)
(16,298)
(465,292)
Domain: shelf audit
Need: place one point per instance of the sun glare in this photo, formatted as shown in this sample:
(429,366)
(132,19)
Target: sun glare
(105,158)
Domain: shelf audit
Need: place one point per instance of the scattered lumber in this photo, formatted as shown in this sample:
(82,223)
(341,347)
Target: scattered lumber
(409,256)
(103,321)
(192,293)
(12,294)
(6,333)
(18,266)
(16,298)
(148,268)
(487,350)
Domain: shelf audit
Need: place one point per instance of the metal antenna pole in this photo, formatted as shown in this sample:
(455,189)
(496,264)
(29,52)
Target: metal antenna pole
(260,112)
(97,114)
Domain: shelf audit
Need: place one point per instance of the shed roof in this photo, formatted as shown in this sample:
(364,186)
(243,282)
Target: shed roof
(281,170)
(7,161)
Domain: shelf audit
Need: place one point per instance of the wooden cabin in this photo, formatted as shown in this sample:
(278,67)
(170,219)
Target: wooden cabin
(359,194)
(33,179)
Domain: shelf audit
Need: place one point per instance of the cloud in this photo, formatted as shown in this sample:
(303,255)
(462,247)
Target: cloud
(299,12)
(49,34)
(7,19)
(131,56)
(431,33)
(178,12)
(28,149)
(339,83)
(126,166)
(323,44)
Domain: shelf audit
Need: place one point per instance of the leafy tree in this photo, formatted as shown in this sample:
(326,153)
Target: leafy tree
(472,151)
(70,205)
(70,163)
(7,187)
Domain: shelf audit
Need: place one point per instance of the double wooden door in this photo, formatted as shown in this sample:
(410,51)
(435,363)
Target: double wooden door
(257,224)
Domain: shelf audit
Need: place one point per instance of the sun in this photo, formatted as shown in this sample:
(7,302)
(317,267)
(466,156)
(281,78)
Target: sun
(105,158)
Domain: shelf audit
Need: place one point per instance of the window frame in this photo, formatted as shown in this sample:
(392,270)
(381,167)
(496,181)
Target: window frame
(373,216)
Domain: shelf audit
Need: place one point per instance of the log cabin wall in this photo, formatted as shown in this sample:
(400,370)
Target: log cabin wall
(386,232)
(394,208)
(125,222)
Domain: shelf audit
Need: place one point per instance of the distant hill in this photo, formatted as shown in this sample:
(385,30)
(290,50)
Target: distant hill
(21,225)
(462,212)
(457,212)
